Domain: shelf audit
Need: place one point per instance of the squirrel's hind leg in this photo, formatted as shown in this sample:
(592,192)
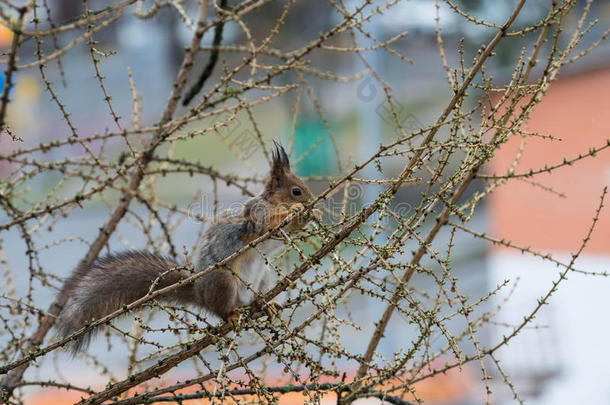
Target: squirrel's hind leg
(219,293)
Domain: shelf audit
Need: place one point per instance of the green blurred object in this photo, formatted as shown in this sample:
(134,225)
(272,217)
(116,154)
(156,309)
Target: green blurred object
(311,133)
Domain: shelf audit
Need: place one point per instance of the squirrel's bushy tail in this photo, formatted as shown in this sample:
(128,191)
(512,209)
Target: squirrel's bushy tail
(111,282)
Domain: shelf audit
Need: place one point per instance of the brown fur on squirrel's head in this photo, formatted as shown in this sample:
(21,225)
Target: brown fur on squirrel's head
(283,187)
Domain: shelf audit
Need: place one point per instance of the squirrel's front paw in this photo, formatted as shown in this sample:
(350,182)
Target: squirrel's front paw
(273,309)
(317,214)
(297,207)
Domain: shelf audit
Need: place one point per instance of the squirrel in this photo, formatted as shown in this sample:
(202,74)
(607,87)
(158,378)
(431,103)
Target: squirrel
(115,280)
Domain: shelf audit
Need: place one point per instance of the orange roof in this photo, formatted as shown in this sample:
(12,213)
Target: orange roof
(449,387)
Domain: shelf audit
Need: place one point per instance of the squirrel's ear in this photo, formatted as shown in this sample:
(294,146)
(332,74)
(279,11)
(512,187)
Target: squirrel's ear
(280,162)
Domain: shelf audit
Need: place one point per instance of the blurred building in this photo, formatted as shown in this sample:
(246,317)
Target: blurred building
(566,356)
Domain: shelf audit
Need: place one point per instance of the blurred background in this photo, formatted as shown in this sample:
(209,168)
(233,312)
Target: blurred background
(562,360)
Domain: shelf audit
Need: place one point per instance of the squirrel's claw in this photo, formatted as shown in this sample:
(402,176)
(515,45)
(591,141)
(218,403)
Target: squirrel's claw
(233,319)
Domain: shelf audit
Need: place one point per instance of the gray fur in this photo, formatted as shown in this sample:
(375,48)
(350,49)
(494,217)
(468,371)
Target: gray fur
(119,279)
(243,274)
(111,282)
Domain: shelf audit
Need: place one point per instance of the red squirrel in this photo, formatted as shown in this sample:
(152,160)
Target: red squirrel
(119,279)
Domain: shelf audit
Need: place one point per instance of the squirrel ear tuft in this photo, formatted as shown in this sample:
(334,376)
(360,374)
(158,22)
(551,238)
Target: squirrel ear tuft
(280,158)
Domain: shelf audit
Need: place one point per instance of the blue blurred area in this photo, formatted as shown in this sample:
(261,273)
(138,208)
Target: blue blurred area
(3,83)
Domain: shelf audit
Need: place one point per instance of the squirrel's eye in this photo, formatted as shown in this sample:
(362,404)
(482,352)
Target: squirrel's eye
(296,191)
